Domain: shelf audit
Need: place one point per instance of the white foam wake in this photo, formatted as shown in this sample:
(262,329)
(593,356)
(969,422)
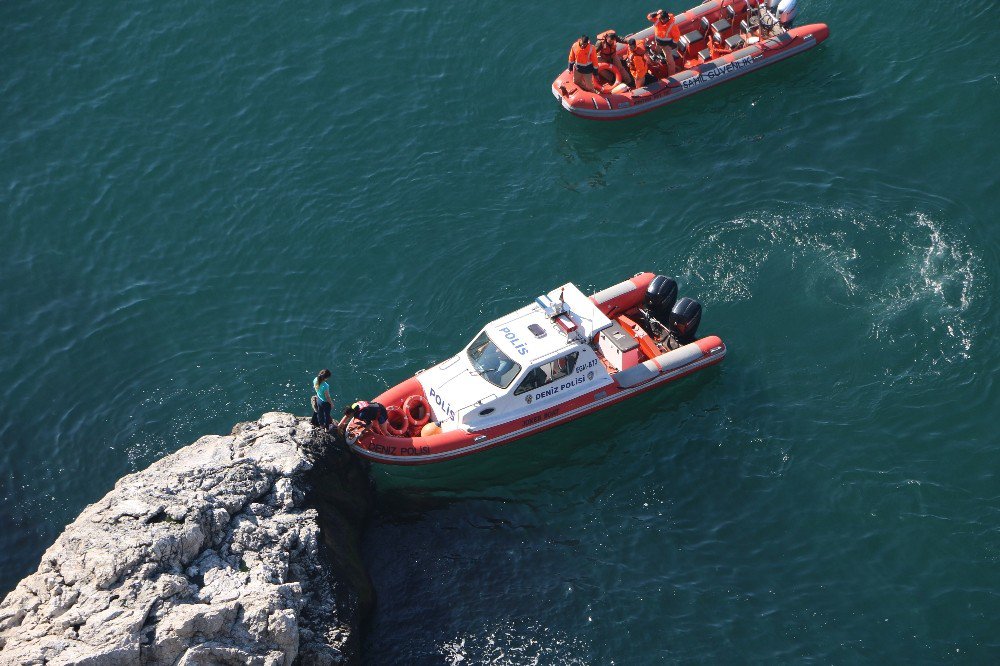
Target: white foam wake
(914,281)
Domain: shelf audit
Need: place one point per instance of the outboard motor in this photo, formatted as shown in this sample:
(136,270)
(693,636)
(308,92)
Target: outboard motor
(684,319)
(661,294)
(787,9)
(765,14)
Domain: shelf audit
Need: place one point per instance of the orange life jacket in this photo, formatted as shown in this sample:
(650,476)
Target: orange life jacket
(637,64)
(638,52)
(667,30)
(583,55)
(607,50)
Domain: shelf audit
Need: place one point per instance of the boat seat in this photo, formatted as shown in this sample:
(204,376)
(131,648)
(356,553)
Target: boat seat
(718,28)
(705,54)
(688,40)
(734,42)
(739,8)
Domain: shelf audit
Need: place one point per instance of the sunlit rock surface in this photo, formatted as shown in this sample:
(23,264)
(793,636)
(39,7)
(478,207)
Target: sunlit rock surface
(242,549)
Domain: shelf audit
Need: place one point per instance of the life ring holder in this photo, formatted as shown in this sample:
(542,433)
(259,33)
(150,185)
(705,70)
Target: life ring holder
(389,428)
(608,67)
(411,404)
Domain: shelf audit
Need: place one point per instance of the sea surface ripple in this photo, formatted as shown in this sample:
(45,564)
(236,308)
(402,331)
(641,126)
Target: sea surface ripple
(206,203)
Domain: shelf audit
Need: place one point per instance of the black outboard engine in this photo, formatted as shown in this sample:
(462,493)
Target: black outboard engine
(661,294)
(684,319)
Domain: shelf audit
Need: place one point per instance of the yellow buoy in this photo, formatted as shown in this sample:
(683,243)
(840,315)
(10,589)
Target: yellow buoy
(430,429)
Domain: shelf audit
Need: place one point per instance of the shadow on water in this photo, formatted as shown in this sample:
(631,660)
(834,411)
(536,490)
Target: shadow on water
(595,440)
(449,539)
(410,506)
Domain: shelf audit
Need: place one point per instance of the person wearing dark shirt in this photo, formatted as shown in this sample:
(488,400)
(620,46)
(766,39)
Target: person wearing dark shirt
(365,412)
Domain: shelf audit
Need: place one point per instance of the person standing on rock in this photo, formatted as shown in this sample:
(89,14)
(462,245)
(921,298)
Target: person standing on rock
(324,403)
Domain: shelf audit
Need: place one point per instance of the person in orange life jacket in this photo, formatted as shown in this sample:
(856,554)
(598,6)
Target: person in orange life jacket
(583,63)
(607,51)
(637,64)
(366,412)
(667,34)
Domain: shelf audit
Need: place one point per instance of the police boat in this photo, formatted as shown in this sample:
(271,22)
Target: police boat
(718,41)
(561,357)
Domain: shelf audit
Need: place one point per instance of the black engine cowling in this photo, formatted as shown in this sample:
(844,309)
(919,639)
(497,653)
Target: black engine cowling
(661,294)
(684,319)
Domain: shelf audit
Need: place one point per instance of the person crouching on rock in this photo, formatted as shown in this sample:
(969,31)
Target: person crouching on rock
(324,403)
(365,412)
(583,63)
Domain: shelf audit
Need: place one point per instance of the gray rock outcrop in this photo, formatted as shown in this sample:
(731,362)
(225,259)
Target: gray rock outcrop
(242,549)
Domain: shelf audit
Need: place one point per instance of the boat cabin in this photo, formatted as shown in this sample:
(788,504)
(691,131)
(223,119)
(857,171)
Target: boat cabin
(544,355)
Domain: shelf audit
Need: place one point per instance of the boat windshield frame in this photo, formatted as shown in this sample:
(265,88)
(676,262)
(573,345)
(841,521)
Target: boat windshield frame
(498,368)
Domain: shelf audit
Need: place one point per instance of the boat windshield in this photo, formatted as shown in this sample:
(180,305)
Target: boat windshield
(492,364)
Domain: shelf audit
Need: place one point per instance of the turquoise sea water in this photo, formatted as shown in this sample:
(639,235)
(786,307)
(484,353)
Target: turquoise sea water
(204,203)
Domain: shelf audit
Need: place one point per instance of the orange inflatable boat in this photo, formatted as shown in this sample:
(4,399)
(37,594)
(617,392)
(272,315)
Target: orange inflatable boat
(719,41)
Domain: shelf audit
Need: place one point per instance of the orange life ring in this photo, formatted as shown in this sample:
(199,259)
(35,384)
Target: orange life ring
(606,66)
(396,423)
(417,409)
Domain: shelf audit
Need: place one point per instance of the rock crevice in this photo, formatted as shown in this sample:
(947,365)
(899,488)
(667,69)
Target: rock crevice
(241,549)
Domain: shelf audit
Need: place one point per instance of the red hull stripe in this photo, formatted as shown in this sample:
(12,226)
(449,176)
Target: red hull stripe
(374,447)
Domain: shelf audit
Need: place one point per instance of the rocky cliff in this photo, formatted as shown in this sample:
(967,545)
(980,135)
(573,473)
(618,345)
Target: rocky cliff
(243,549)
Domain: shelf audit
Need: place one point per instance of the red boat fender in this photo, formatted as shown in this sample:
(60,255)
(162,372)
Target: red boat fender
(397,422)
(430,429)
(607,67)
(418,410)
(623,296)
(711,344)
